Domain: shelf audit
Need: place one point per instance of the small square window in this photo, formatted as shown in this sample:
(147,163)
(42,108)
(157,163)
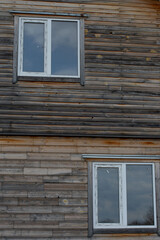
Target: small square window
(49,47)
(123,196)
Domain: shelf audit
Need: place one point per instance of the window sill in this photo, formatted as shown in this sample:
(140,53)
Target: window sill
(49,79)
(135,231)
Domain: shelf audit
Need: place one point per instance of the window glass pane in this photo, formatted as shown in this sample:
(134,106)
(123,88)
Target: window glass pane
(108,195)
(140,209)
(64,48)
(33,47)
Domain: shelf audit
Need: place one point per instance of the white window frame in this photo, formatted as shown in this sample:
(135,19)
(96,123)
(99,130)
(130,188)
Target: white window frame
(122,197)
(47,47)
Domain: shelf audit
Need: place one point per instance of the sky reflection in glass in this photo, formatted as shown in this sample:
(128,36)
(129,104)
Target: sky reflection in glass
(140,195)
(33,47)
(64,49)
(108,195)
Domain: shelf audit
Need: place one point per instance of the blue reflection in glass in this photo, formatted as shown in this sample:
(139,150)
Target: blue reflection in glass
(33,47)
(108,195)
(64,48)
(140,209)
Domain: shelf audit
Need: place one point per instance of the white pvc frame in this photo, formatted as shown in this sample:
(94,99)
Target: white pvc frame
(122,197)
(47,47)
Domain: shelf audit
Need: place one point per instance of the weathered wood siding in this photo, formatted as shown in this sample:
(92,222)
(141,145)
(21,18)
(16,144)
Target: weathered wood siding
(121,96)
(43,185)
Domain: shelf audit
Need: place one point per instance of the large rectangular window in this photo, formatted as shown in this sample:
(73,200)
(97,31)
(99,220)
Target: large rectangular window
(123,195)
(49,47)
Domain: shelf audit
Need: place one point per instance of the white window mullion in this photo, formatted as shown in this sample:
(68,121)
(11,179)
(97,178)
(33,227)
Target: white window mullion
(154,194)
(48,48)
(121,195)
(124,195)
(78,29)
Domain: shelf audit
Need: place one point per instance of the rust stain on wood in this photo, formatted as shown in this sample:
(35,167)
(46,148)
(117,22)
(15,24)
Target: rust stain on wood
(112,142)
(148,143)
(11,140)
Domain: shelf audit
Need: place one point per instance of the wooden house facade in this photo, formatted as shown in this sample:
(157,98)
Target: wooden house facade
(79,119)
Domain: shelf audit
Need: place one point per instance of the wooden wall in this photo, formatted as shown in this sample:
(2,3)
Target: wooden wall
(121,96)
(43,185)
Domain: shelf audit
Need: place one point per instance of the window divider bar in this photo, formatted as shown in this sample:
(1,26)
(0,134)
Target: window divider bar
(154,194)
(78,39)
(48,41)
(124,194)
(120,171)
